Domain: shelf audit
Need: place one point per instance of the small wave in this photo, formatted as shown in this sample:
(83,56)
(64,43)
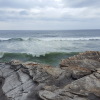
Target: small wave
(4,39)
(20,39)
(11,39)
(49,39)
(71,39)
(16,39)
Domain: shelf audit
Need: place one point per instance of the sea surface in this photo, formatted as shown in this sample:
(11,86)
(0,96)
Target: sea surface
(46,46)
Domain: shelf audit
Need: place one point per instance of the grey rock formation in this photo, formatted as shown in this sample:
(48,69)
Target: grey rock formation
(77,78)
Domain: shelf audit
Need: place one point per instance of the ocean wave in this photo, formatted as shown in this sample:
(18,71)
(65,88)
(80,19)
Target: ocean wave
(4,39)
(11,39)
(52,58)
(50,39)
(4,54)
(43,46)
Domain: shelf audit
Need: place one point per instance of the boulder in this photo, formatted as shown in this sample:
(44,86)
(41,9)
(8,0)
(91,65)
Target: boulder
(86,88)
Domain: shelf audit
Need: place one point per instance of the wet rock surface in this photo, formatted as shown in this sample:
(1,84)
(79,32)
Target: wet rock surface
(77,78)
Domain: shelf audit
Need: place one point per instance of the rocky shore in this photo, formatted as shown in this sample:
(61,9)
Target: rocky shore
(76,78)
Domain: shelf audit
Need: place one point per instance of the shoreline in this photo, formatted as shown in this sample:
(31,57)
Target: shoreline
(77,78)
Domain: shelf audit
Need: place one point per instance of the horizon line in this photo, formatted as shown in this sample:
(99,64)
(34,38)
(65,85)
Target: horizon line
(45,29)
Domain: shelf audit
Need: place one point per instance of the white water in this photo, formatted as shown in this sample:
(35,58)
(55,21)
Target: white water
(43,42)
(50,39)
(41,46)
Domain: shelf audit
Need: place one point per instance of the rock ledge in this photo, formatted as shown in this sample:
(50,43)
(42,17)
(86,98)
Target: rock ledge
(77,78)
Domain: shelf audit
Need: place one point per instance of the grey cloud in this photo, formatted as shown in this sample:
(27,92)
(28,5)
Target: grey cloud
(48,3)
(26,3)
(13,4)
(53,15)
(24,12)
(27,10)
(81,3)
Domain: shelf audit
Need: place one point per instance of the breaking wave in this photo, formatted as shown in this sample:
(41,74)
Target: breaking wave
(52,58)
(42,46)
(49,39)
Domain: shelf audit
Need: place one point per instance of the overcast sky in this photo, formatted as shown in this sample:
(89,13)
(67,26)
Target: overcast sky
(49,14)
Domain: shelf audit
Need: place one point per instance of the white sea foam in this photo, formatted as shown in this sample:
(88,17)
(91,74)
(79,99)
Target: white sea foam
(4,39)
(41,46)
(51,39)
(43,42)
(70,39)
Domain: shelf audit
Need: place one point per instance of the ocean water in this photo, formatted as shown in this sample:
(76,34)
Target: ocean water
(46,46)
